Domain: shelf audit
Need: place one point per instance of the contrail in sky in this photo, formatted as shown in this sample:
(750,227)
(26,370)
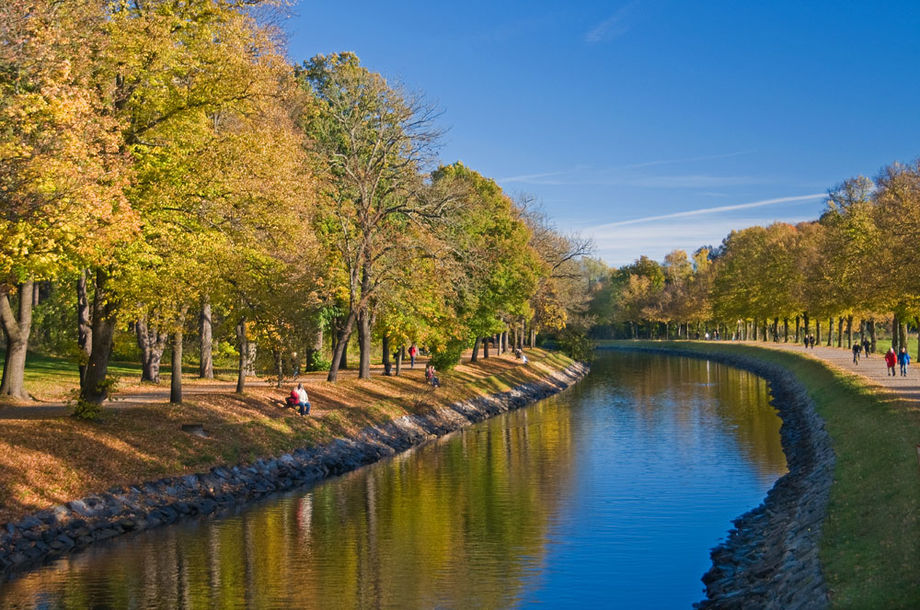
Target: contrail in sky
(724,208)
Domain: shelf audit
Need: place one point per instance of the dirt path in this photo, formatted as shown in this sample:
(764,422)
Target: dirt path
(872,369)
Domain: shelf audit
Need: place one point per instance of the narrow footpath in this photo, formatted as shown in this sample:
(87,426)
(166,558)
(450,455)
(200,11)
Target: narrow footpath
(872,369)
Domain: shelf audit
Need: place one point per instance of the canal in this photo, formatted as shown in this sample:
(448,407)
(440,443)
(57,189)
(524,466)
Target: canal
(610,494)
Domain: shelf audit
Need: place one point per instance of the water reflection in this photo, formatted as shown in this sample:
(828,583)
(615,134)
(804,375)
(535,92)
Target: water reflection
(611,493)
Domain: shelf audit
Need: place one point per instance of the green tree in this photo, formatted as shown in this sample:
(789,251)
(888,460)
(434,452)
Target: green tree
(62,175)
(375,139)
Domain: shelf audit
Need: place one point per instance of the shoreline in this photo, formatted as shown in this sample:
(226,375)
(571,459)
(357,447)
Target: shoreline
(67,528)
(770,558)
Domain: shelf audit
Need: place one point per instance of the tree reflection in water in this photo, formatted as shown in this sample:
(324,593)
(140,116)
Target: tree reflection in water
(502,513)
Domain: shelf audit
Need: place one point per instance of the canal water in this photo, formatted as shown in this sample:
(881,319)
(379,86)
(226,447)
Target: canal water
(610,494)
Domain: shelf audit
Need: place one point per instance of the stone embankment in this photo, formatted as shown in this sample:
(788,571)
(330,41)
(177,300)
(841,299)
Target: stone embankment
(770,559)
(69,527)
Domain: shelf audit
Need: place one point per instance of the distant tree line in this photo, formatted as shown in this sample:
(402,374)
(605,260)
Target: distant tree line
(831,278)
(166,172)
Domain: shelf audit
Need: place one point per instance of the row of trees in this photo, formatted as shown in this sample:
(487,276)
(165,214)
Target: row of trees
(163,163)
(853,266)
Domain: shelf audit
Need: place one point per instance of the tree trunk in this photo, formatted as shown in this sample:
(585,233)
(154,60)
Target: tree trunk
(84,326)
(902,333)
(475,355)
(785,330)
(872,336)
(840,331)
(817,331)
(504,342)
(152,344)
(17,331)
(243,343)
(364,345)
(205,334)
(400,354)
(340,344)
(798,339)
(94,388)
(533,336)
(279,367)
(850,331)
(315,351)
(175,377)
(386,355)
(343,360)
(485,346)
(830,331)
(805,323)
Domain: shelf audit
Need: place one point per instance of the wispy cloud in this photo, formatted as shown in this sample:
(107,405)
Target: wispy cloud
(639,175)
(687,159)
(714,210)
(615,178)
(611,27)
(534,178)
(619,245)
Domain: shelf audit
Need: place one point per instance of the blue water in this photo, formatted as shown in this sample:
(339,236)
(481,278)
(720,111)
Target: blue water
(608,495)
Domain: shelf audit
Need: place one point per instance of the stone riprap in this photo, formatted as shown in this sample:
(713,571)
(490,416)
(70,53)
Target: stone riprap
(69,527)
(770,558)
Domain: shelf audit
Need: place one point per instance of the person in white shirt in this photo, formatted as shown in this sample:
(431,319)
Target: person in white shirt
(302,400)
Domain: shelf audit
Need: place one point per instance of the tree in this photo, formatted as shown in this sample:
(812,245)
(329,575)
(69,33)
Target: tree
(496,271)
(62,175)
(194,85)
(375,139)
(561,297)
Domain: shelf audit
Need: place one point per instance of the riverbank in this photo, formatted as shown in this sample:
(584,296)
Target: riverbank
(869,539)
(146,440)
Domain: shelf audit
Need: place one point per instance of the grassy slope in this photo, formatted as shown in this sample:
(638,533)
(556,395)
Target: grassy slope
(53,460)
(871,542)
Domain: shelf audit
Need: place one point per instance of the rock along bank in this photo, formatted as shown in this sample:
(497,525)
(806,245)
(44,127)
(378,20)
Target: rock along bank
(66,528)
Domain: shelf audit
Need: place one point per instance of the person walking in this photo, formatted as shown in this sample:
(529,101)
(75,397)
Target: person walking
(903,360)
(412,352)
(856,349)
(890,360)
(866,346)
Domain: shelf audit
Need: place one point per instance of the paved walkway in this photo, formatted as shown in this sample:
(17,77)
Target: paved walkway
(872,368)
(124,400)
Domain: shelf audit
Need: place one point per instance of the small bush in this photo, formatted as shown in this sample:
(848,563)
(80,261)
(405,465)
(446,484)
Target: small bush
(447,357)
(576,344)
(316,362)
(83,409)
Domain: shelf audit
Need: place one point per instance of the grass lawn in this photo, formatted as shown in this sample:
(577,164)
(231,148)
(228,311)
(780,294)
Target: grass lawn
(871,540)
(51,460)
(49,378)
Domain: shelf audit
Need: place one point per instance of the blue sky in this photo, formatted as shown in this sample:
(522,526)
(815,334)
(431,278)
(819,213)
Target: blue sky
(652,124)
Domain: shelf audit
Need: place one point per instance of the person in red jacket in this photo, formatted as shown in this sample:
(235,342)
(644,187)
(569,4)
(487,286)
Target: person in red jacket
(412,352)
(890,360)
